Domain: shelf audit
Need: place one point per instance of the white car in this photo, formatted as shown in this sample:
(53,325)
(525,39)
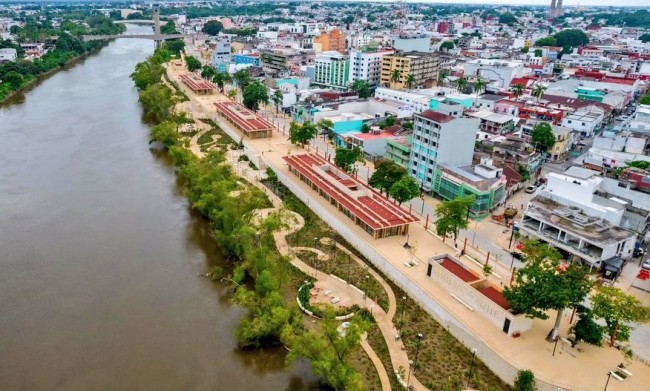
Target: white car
(531,189)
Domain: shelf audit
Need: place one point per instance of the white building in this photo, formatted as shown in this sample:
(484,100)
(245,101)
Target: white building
(221,57)
(367,65)
(412,44)
(439,138)
(568,213)
(585,120)
(418,102)
(8,54)
(500,72)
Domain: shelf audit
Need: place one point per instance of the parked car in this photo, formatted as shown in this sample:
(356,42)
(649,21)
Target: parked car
(518,255)
(531,189)
(646,265)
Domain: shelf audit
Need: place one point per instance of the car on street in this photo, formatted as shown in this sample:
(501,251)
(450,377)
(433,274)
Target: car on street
(531,189)
(518,256)
(646,265)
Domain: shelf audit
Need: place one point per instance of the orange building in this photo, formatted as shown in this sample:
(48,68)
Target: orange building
(333,40)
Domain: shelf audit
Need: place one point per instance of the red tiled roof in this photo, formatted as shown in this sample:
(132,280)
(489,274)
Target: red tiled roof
(619,80)
(245,119)
(436,116)
(373,209)
(458,270)
(496,296)
(196,82)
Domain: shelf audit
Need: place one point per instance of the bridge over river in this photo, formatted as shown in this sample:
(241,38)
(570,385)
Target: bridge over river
(155,37)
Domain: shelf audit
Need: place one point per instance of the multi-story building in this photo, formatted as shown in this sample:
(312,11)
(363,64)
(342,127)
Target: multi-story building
(422,66)
(331,41)
(398,150)
(221,56)
(8,54)
(499,72)
(484,181)
(440,139)
(282,61)
(331,70)
(366,65)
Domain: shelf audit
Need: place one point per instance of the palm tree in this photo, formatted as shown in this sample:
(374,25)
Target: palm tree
(461,82)
(410,81)
(518,90)
(277,98)
(221,78)
(442,77)
(479,85)
(538,91)
(396,76)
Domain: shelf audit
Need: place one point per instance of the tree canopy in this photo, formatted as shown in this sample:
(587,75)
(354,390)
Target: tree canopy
(447,46)
(346,157)
(404,189)
(254,94)
(619,310)
(361,87)
(543,137)
(452,216)
(212,27)
(545,284)
(586,329)
(570,37)
(386,174)
(302,133)
(525,381)
(192,63)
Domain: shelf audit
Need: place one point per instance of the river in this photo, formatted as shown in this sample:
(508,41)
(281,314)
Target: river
(100,255)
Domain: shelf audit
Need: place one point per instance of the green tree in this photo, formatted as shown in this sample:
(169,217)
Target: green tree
(157,102)
(14,79)
(571,37)
(386,174)
(212,27)
(325,126)
(208,72)
(545,284)
(147,73)
(365,128)
(221,78)
(176,46)
(538,91)
(461,82)
(525,49)
(328,353)
(442,77)
(547,41)
(619,310)
(169,28)
(447,46)
(523,172)
(645,100)
(507,18)
(543,137)
(518,90)
(346,157)
(525,381)
(243,78)
(361,87)
(404,190)
(410,81)
(192,63)
(302,133)
(586,329)
(538,52)
(452,216)
(254,94)
(165,133)
(396,76)
(645,38)
(277,99)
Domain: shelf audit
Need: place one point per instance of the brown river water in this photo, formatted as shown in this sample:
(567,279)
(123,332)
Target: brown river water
(100,255)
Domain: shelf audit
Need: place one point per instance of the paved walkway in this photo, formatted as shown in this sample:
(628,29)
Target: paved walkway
(570,369)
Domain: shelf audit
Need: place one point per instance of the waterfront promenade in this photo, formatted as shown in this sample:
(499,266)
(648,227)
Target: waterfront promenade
(571,369)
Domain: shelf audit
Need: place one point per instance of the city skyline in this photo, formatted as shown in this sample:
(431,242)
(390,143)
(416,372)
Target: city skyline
(566,3)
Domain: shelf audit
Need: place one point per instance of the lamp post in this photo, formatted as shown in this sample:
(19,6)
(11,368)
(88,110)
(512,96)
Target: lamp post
(471,367)
(415,360)
(403,307)
(609,374)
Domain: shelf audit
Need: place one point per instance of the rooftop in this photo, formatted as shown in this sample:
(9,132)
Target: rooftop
(245,119)
(436,116)
(196,82)
(373,209)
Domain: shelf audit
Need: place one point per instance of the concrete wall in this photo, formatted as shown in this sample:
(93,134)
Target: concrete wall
(456,143)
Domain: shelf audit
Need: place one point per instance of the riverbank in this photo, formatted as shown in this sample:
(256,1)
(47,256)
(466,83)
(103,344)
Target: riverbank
(38,79)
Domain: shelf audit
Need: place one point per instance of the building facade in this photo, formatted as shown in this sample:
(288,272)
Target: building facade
(422,66)
(333,40)
(366,65)
(221,57)
(440,139)
(331,70)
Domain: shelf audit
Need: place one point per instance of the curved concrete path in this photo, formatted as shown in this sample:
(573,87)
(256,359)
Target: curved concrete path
(194,143)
